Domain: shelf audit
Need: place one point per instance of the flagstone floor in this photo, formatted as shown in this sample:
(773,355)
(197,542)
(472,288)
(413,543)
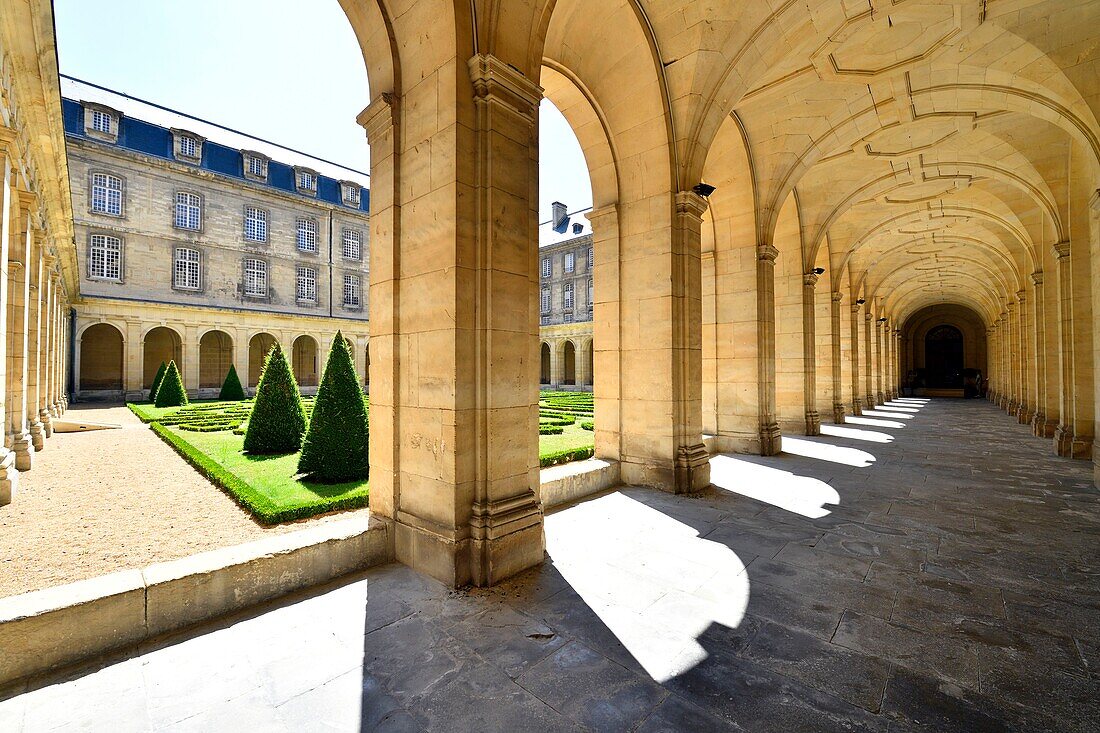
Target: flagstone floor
(927,567)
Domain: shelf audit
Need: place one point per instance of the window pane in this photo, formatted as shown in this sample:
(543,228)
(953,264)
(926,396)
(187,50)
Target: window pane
(307,235)
(351,290)
(255,224)
(105,257)
(352,244)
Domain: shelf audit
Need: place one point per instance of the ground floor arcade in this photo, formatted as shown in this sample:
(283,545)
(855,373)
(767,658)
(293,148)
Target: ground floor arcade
(928,566)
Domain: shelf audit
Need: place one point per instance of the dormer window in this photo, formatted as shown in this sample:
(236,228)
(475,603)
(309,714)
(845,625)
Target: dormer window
(188,146)
(100,122)
(578,228)
(305,181)
(255,165)
(349,193)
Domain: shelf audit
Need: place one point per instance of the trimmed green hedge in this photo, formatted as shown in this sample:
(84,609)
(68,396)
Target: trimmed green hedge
(278,420)
(588,425)
(335,445)
(565,456)
(232,391)
(157,380)
(550,430)
(244,493)
(171,393)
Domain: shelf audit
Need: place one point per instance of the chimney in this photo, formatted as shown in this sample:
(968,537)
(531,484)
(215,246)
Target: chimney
(560,213)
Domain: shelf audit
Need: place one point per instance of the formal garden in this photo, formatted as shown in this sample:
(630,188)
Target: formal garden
(284,456)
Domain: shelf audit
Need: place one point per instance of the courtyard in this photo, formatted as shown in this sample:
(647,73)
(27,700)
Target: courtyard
(936,574)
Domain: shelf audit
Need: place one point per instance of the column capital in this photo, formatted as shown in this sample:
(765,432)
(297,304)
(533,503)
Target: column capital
(691,204)
(1094,200)
(378,116)
(495,80)
(1021,296)
(1010,306)
(868,315)
(1037,278)
(838,296)
(1060,250)
(809,280)
(600,213)
(766,253)
(855,307)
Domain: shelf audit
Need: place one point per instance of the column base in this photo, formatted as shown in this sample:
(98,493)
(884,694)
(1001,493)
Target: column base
(1024,415)
(9,477)
(1068,445)
(1012,406)
(692,469)
(135,395)
(857,408)
(55,409)
(838,413)
(23,449)
(1041,427)
(869,402)
(881,399)
(38,435)
(47,422)
(771,439)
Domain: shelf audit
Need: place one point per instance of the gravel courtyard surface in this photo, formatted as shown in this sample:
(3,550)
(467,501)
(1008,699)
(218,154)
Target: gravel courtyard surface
(110,500)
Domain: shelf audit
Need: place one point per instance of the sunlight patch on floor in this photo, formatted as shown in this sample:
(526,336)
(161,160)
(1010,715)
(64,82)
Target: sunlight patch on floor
(827,452)
(859,420)
(802,495)
(871,436)
(650,578)
(884,412)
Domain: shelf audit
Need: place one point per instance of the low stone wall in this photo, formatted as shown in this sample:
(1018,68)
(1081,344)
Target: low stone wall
(54,627)
(572,481)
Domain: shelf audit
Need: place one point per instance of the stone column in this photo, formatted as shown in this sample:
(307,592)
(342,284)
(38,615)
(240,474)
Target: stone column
(557,363)
(18,303)
(9,224)
(1003,370)
(1065,441)
(57,364)
(834,317)
(868,346)
(880,365)
(1024,408)
(45,356)
(809,353)
(133,365)
(606,333)
(895,364)
(771,441)
(1012,325)
(857,408)
(1039,418)
(34,341)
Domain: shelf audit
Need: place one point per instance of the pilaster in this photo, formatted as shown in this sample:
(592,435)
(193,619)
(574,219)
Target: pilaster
(770,435)
(9,223)
(834,318)
(809,353)
(857,407)
(868,345)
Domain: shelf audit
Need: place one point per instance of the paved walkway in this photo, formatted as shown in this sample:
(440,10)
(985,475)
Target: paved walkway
(929,568)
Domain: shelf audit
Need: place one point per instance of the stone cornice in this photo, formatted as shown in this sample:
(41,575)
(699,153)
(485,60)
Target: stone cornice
(495,80)
(1037,278)
(837,297)
(1060,250)
(766,253)
(691,204)
(809,280)
(377,118)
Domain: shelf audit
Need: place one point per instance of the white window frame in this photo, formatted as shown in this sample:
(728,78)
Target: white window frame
(305,180)
(350,193)
(570,262)
(589,292)
(188,203)
(544,300)
(255,166)
(189,146)
(352,238)
(590,258)
(306,236)
(98,116)
(187,269)
(547,267)
(353,285)
(567,297)
(305,284)
(255,224)
(105,257)
(255,278)
(106,198)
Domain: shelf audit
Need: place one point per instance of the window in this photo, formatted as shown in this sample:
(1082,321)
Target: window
(188,269)
(306,180)
(590,258)
(255,165)
(569,262)
(106,194)
(567,297)
(102,121)
(306,289)
(351,291)
(544,300)
(189,146)
(188,210)
(307,234)
(578,227)
(545,264)
(589,292)
(349,192)
(105,258)
(255,278)
(255,224)
(353,241)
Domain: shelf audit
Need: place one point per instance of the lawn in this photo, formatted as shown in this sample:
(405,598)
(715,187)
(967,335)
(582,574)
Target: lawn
(209,435)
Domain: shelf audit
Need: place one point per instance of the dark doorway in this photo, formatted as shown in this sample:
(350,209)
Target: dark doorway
(943,357)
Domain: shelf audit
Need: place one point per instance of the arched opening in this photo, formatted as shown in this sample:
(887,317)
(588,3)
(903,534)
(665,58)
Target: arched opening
(101,358)
(544,363)
(258,346)
(569,363)
(304,361)
(366,364)
(162,344)
(943,357)
(215,357)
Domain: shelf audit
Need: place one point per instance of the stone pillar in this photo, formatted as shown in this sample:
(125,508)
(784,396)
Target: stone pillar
(133,364)
(19,301)
(1066,442)
(57,364)
(1004,378)
(868,346)
(557,363)
(770,438)
(9,224)
(1039,417)
(809,353)
(834,317)
(45,355)
(1024,408)
(189,356)
(34,341)
(1013,352)
(880,365)
(857,408)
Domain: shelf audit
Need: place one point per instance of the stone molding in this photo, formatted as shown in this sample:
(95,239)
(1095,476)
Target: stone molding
(1037,278)
(688,203)
(496,81)
(809,280)
(1060,251)
(766,253)
(377,117)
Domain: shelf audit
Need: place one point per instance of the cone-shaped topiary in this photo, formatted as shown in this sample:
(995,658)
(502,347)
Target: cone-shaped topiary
(278,419)
(156,381)
(231,387)
(171,393)
(335,448)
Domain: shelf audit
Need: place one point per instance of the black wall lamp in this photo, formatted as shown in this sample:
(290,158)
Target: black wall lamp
(703,189)
(819,270)
(861,301)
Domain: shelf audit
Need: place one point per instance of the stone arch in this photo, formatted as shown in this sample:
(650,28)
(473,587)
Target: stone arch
(101,358)
(215,357)
(258,347)
(304,360)
(544,363)
(568,363)
(160,344)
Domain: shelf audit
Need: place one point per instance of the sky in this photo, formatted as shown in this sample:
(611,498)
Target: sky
(284,70)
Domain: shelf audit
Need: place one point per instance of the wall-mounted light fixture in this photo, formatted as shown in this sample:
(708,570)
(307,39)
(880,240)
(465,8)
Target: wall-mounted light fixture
(703,189)
(861,301)
(882,320)
(819,270)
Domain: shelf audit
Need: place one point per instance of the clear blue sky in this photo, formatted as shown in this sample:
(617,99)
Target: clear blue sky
(286,70)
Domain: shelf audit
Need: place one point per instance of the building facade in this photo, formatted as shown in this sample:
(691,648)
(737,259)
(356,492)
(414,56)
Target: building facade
(198,244)
(565,300)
